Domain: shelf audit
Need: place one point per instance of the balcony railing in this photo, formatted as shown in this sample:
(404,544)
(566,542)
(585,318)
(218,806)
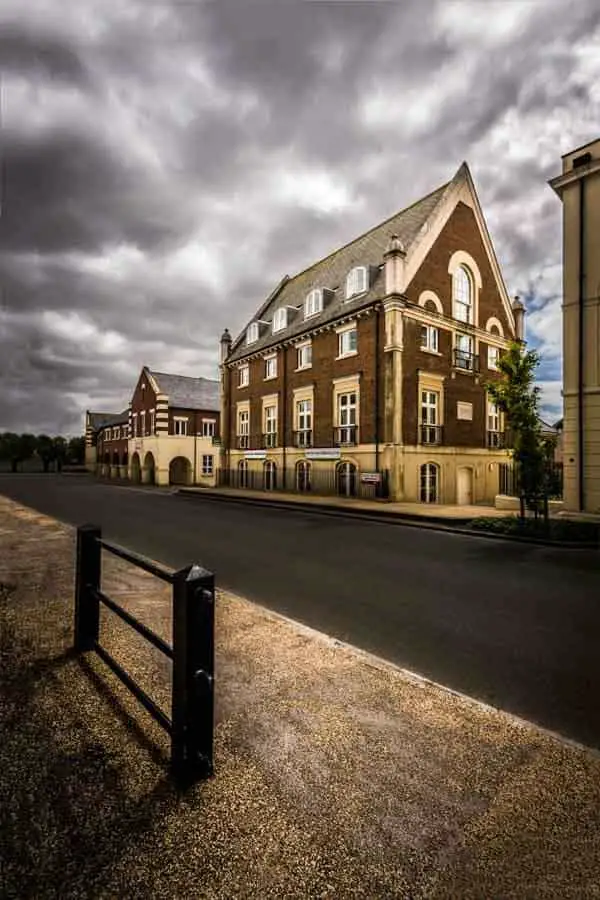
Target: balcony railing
(269,439)
(496,440)
(243,441)
(431,434)
(303,438)
(345,434)
(469,362)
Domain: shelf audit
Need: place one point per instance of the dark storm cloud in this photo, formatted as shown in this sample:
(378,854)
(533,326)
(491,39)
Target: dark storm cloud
(24,50)
(165,164)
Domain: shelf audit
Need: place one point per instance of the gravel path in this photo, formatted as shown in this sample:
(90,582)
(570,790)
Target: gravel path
(336,775)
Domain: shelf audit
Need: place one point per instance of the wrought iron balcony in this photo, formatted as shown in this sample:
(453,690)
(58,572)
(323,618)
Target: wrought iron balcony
(269,439)
(431,434)
(345,434)
(496,440)
(469,362)
(303,438)
(243,441)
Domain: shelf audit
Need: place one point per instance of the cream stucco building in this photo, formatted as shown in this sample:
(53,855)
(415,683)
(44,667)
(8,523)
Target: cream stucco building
(578,186)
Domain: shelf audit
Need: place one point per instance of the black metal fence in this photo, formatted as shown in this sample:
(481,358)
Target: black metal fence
(510,482)
(344,481)
(191,725)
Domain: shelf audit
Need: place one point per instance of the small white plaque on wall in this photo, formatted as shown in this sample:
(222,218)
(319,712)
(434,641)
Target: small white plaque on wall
(464,411)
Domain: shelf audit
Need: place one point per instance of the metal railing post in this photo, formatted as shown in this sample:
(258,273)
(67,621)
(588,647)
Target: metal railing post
(193,673)
(87,579)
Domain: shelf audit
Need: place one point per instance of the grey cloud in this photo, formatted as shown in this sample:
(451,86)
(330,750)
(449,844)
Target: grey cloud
(24,51)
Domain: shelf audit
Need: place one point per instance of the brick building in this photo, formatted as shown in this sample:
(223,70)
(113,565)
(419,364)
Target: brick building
(112,447)
(174,429)
(96,425)
(365,372)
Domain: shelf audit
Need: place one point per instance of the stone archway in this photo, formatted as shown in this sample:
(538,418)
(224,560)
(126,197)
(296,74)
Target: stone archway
(180,471)
(149,469)
(136,468)
(124,463)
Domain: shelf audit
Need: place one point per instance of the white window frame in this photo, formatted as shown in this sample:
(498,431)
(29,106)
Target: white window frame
(252,333)
(152,422)
(270,424)
(208,464)
(134,420)
(143,423)
(305,350)
(430,338)
(493,416)
(463,303)
(432,491)
(344,338)
(347,416)
(467,339)
(430,407)
(279,319)
(244,375)
(180,426)
(270,363)
(243,422)
(493,356)
(357,281)
(209,427)
(313,303)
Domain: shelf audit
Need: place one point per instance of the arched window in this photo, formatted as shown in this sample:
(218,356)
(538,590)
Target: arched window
(430,483)
(280,319)
(463,295)
(269,475)
(356,281)
(243,473)
(346,479)
(430,305)
(303,476)
(313,303)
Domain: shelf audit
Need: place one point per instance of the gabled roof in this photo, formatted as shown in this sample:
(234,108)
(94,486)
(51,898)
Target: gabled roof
(331,272)
(187,392)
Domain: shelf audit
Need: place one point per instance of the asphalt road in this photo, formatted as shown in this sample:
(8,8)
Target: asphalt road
(517,626)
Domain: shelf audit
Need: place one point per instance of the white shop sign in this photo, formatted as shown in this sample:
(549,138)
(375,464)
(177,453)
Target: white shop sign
(370,477)
(255,454)
(464,411)
(323,452)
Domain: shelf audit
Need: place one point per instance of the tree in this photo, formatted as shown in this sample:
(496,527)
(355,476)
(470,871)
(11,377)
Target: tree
(45,450)
(76,450)
(516,395)
(60,451)
(17,448)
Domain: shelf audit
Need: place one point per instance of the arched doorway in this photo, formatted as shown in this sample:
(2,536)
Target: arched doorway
(105,463)
(303,476)
(269,475)
(243,473)
(346,479)
(464,486)
(429,483)
(148,472)
(136,469)
(180,471)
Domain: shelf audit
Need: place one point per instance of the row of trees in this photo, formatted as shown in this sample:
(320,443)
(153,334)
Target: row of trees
(57,451)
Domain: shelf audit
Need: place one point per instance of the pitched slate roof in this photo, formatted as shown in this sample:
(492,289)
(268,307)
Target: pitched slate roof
(189,393)
(100,420)
(331,272)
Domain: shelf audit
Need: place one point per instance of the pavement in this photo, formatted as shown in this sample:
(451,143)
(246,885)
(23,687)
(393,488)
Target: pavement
(337,775)
(421,511)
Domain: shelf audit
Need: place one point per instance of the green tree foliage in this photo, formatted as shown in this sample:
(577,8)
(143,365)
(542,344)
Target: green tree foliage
(76,450)
(16,448)
(45,450)
(517,396)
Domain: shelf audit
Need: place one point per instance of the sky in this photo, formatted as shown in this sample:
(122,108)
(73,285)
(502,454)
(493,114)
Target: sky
(164,164)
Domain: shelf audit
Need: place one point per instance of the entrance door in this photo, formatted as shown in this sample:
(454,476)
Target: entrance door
(464,486)
(346,479)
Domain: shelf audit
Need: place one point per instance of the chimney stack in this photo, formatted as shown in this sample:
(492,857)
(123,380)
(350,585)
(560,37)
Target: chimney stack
(394,266)
(519,314)
(225,346)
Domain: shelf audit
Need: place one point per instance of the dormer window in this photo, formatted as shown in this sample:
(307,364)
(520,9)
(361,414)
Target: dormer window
(280,319)
(252,333)
(356,281)
(313,303)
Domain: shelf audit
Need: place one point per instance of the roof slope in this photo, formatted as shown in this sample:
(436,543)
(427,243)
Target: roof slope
(100,419)
(187,392)
(330,272)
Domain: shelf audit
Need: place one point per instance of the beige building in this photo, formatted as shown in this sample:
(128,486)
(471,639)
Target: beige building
(579,189)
